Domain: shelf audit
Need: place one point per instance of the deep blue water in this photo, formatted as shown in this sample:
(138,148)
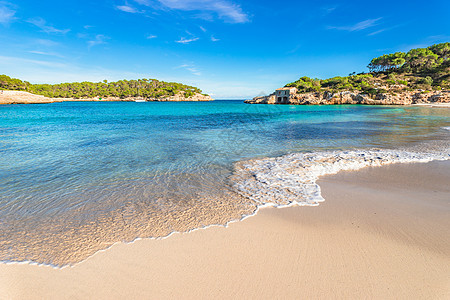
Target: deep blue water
(72,163)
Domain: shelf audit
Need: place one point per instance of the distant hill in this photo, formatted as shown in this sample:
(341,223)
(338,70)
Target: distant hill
(421,75)
(122,89)
(421,68)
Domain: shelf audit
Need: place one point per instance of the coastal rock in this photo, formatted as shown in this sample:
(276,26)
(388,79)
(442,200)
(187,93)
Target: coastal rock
(181,97)
(271,99)
(16,97)
(349,97)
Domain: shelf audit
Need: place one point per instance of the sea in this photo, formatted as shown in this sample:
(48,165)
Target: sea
(78,177)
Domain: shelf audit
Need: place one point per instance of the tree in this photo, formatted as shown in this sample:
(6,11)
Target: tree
(387,62)
(442,50)
(421,59)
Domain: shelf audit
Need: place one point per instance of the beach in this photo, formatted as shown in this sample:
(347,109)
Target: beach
(135,163)
(382,233)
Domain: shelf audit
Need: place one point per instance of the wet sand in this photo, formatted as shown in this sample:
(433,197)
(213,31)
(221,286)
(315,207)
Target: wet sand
(382,233)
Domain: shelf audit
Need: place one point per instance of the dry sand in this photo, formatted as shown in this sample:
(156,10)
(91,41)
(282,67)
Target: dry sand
(382,233)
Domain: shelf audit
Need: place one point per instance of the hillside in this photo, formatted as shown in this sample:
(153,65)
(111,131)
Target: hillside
(420,75)
(125,90)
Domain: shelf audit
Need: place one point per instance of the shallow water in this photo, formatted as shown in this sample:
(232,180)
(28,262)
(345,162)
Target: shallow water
(76,177)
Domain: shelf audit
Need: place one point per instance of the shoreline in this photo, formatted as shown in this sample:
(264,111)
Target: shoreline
(299,172)
(20,97)
(201,249)
(442,105)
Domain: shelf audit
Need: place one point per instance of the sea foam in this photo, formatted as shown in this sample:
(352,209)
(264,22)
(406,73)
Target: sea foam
(291,179)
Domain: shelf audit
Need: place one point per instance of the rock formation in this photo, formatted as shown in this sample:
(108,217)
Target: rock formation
(346,97)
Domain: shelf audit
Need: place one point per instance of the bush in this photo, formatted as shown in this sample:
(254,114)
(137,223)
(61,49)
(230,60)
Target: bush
(427,80)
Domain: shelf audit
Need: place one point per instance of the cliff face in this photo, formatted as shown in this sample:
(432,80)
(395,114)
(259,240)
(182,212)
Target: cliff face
(180,97)
(19,97)
(403,98)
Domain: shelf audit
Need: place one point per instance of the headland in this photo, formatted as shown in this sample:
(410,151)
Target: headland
(420,76)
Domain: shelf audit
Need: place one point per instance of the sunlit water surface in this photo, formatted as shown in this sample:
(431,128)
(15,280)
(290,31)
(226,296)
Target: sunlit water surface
(77,177)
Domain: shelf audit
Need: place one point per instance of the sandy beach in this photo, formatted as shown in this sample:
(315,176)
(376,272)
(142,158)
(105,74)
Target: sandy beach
(382,233)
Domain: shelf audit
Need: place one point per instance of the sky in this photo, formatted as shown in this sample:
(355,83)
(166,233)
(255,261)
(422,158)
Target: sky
(231,49)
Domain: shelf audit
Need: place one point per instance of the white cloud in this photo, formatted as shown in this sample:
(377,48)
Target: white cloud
(45,53)
(143,2)
(214,39)
(202,28)
(45,71)
(385,29)
(6,13)
(191,68)
(47,43)
(19,61)
(127,8)
(99,40)
(187,41)
(151,36)
(377,32)
(42,24)
(225,9)
(329,9)
(358,26)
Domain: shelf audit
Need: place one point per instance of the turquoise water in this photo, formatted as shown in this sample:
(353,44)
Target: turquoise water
(76,177)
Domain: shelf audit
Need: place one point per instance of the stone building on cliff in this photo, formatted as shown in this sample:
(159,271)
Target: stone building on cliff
(284,94)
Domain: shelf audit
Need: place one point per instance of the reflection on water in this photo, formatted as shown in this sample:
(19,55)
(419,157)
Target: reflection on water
(77,177)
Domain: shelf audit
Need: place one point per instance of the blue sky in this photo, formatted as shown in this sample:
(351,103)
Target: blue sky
(228,48)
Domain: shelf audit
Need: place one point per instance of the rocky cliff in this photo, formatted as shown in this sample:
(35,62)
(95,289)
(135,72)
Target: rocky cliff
(345,97)
(19,97)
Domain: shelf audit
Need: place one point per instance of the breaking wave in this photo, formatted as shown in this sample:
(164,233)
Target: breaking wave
(291,179)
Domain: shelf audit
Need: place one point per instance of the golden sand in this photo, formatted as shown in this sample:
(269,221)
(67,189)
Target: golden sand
(382,233)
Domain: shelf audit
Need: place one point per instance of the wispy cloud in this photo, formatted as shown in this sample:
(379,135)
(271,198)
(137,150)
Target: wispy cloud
(18,60)
(329,9)
(151,36)
(377,32)
(47,71)
(143,2)
(42,24)
(213,39)
(202,28)
(294,50)
(187,41)
(433,39)
(224,9)
(128,9)
(358,26)
(45,53)
(191,68)
(46,43)
(385,29)
(6,13)
(100,39)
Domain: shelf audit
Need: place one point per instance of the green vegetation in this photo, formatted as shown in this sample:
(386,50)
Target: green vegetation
(419,69)
(145,88)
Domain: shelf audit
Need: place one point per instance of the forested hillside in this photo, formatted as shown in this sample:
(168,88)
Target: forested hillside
(145,88)
(419,69)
